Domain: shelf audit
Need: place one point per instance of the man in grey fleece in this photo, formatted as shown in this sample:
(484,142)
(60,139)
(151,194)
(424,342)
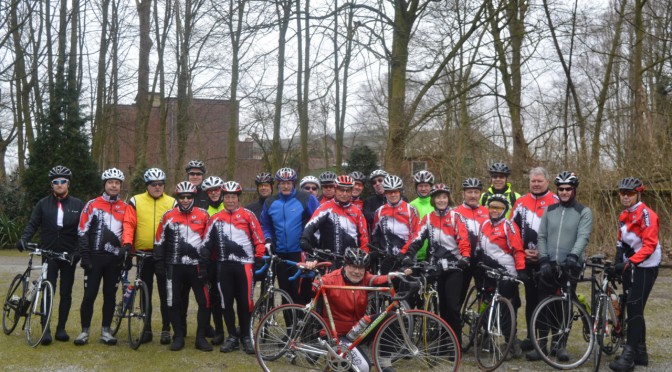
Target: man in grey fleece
(564,232)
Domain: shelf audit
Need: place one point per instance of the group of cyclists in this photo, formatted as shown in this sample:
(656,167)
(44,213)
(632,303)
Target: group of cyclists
(204,240)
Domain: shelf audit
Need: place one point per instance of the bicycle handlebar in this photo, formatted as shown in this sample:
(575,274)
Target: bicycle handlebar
(415,284)
(34,248)
(305,272)
(498,274)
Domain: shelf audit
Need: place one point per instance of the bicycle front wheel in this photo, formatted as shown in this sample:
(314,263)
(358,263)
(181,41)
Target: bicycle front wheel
(432,303)
(137,314)
(495,334)
(13,306)
(39,313)
(268,301)
(290,338)
(614,332)
(119,311)
(562,332)
(469,317)
(416,340)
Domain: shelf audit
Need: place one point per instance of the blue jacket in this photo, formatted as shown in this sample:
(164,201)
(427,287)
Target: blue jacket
(284,217)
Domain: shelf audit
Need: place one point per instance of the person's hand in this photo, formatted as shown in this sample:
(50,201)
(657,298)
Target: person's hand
(270,247)
(125,250)
(21,245)
(203,273)
(573,265)
(128,263)
(305,246)
(85,263)
(406,261)
(621,267)
(532,255)
(545,268)
(522,275)
(463,263)
(408,272)
(309,265)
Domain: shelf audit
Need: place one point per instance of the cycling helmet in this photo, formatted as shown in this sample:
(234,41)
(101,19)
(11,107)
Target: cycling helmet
(154,174)
(392,183)
(502,199)
(263,177)
(345,181)
(567,178)
(499,168)
(309,179)
(472,183)
(185,187)
(378,173)
(232,187)
(59,171)
(327,178)
(631,183)
(439,188)
(356,257)
(195,164)
(285,174)
(358,176)
(423,176)
(112,174)
(212,182)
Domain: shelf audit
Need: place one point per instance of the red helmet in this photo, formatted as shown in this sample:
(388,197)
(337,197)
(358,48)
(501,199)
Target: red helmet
(345,181)
(232,187)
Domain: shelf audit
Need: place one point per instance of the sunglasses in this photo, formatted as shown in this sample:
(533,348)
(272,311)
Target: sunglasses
(195,173)
(566,189)
(493,208)
(498,176)
(627,192)
(328,186)
(377,181)
(212,191)
(185,197)
(342,189)
(61,181)
(157,184)
(309,188)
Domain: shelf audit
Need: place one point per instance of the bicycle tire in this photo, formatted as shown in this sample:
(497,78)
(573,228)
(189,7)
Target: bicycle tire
(119,312)
(436,343)
(495,334)
(468,317)
(599,326)
(13,308)
(432,303)
(138,318)
(614,325)
(39,314)
(288,338)
(551,325)
(267,302)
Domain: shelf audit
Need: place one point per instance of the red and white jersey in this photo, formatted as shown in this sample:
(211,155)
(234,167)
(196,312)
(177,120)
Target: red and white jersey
(447,235)
(234,236)
(100,226)
(334,227)
(501,246)
(357,202)
(179,236)
(393,226)
(638,228)
(527,212)
(473,218)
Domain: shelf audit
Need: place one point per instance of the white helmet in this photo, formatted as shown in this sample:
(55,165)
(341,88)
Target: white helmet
(113,174)
(309,179)
(392,183)
(212,182)
(154,174)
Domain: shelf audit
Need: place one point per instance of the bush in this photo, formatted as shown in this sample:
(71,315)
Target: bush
(10,231)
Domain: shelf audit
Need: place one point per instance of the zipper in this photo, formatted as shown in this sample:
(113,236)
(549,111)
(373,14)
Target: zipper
(557,243)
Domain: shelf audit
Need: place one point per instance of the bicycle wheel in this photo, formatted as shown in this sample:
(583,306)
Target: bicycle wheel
(268,301)
(39,314)
(432,303)
(495,334)
(137,314)
(469,317)
(431,345)
(599,325)
(557,329)
(119,311)
(614,334)
(289,338)
(13,306)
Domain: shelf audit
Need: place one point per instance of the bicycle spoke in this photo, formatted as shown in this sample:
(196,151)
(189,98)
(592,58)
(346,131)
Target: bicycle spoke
(39,314)
(14,305)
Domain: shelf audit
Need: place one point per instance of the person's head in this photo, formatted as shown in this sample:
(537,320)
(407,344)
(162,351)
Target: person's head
(213,187)
(185,192)
(60,180)
(264,182)
(328,184)
(393,186)
(112,180)
(499,172)
(471,191)
(195,171)
(498,206)
(360,179)
(423,183)
(440,196)
(376,178)
(310,184)
(286,178)
(231,191)
(630,191)
(356,263)
(539,180)
(155,180)
(344,185)
(567,183)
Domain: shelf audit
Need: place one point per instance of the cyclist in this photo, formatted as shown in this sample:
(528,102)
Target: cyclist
(264,182)
(424,180)
(212,186)
(638,256)
(394,222)
(177,254)
(357,190)
(527,212)
(234,240)
(448,247)
(195,173)
(564,231)
(57,218)
(141,222)
(336,224)
(310,184)
(328,186)
(377,200)
(499,173)
(100,227)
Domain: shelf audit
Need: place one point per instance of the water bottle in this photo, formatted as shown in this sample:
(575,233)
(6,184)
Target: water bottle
(32,291)
(617,307)
(582,301)
(128,292)
(358,328)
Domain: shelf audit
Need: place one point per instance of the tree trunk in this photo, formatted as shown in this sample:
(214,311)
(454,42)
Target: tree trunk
(283,11)
(142,100)
(100,121)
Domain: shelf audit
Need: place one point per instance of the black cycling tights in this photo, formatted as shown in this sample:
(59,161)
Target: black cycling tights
(104,267)
(67,271)
(235,283)
(639,286)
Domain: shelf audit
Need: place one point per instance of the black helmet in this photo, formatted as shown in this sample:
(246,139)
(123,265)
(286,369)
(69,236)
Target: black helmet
(567,178)
(631,183)
(499,168)
(59,171)
(195,164)
(502,199)
(263,177)
(472,183)
(356,257)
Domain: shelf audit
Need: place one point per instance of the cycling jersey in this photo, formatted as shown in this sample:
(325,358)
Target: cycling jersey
(59,238)
(638,234)
(234,236)
(201,200)
(371,205)
(473,218)
(256,207)
(100,226)
(214,208)
(323,199)
(357,202)
(527,212)
(284,217)
(447,236)
(508,192)
(564,229)
(142,218)
(179,236)
(335,227)
(393,226)
(501,246)
(424,206)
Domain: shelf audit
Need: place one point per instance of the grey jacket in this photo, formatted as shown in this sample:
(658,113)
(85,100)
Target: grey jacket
(564,229)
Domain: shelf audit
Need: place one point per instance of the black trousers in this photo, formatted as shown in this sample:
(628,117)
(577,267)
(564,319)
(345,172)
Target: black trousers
(105,268)
(67,272)
(235,284)
(181,278)
(639,284)
(147,276)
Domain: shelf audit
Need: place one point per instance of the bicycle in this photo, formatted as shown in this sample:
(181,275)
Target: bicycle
(36,300)
(552,322)
(427,296)
(608,309)
(270,297)
(378,301)
(132,303)
(293,337)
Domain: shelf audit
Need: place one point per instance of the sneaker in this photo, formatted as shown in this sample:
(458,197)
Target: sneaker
(562,355)
(218,339)
(46,340)
(62,335)
(533,356)
(526,345)
(247,345)
(230,345)
(106,336)
(178,344)
(203,344)
(147,336)
(83,337)
(165,337)
(516,350)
